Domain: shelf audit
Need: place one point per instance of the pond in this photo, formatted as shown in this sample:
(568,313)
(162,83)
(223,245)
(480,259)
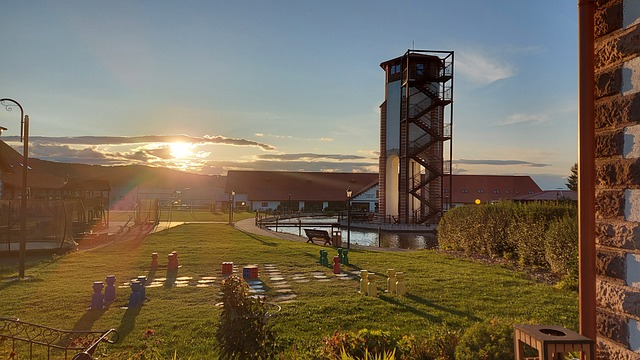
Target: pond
(367,237)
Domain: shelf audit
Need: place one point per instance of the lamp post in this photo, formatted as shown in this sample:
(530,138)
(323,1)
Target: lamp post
(232,199)
(349,193)
(24,137)
(289,204)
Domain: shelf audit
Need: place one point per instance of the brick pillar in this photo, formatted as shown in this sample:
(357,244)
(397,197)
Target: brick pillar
(617,160)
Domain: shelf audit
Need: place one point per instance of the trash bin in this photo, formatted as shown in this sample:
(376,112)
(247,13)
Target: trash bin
(336,238)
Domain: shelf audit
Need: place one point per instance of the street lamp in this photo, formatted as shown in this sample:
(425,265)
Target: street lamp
(232,198)
(24,137)
(349,193)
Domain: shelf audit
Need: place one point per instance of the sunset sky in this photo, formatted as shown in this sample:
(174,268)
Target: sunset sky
(208,86)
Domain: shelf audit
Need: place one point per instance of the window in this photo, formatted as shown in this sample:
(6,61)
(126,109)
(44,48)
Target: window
(419,69)
(395,69)
(264,204)
(464,191)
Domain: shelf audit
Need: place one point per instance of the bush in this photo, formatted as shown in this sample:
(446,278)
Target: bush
(492,340)
(561,246)
(243,331)
(506,229)
(439,344)
(363,343)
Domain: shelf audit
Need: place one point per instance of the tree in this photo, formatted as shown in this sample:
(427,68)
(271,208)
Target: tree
(572,180)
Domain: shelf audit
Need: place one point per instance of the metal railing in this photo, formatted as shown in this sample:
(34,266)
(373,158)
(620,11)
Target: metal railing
(82,343)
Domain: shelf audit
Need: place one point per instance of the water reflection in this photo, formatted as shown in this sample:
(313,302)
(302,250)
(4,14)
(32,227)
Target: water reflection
(385,239)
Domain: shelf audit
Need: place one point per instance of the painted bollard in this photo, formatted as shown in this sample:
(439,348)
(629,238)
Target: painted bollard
(172,262)
(336,265)
(110,290)
(345,257)
(143,293)
(373,287)
(177,263)
(364,282)
(340,254)
(401,288)
(391,281)
(324,261)
(97,299)
(154,261)
(227,268)
(134,298)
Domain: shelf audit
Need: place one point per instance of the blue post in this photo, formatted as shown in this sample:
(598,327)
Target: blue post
(143,293)
(110,290)
(134,298)
(97,300)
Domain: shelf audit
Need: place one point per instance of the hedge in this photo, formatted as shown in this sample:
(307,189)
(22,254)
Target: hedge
(540,234)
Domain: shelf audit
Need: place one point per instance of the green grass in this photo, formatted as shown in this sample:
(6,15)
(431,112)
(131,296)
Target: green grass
(183,215)
(440,290)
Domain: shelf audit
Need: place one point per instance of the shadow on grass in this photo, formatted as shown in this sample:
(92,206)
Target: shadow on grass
(255,237)
(128,322)
(16,281)
(428,303)
(424,314)
(85,323)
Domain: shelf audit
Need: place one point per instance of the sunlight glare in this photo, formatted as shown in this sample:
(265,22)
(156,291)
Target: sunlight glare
(180,150)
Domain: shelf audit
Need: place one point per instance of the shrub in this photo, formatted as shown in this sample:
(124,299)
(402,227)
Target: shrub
(491,340)
(439,344)
(506,229)
(372,342)
(561,245)
(243,331)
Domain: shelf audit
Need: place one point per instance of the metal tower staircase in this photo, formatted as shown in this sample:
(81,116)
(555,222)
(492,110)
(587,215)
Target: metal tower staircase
(425,126)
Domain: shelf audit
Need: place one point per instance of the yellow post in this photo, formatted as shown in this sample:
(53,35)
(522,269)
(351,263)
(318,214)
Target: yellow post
(373,289)
(400,284)
(391,281)
(364,282)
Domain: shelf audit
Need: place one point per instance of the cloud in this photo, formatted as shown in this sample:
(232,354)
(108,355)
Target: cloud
(122,140)
(498,162)
(524,118)
(480,69)
(318,166)
(308,157)
(44,151)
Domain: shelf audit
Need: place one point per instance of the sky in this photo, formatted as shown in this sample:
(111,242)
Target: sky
(293,85)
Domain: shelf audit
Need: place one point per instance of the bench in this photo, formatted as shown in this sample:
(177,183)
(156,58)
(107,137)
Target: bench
(313,233)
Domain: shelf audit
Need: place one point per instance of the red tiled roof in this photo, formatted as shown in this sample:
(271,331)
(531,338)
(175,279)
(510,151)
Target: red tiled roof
(488,188)
(303,186)
(551,195)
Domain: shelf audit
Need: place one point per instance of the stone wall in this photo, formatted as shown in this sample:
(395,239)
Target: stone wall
(617,122)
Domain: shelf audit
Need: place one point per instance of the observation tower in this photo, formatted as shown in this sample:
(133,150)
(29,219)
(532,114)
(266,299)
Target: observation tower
(416,121)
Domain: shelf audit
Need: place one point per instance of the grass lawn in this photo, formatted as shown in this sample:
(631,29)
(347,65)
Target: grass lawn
(440,290)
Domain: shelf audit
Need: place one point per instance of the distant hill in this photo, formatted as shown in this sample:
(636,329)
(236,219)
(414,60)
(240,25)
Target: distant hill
(129,175)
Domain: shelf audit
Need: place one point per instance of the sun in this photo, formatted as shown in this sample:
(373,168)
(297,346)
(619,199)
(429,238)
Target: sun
(181,150)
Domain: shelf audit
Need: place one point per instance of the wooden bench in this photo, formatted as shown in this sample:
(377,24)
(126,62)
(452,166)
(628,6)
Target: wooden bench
(313,233)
